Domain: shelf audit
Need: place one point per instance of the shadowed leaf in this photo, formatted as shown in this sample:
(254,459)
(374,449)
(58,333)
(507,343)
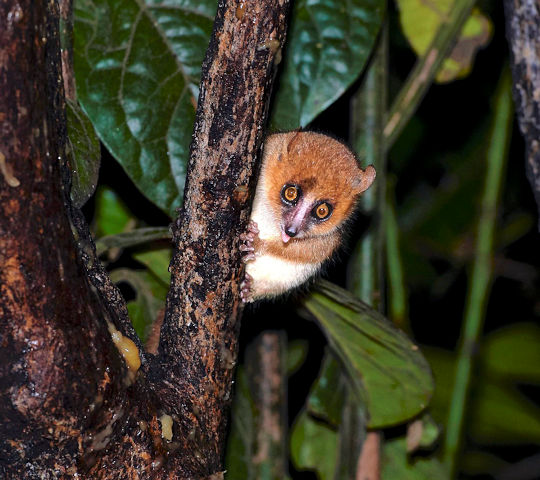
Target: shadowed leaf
(379,359)
(328,46)
(86,155)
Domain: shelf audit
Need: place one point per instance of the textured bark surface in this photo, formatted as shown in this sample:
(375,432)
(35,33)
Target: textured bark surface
(51,381)
(199,335)
(523,33)
(69,405)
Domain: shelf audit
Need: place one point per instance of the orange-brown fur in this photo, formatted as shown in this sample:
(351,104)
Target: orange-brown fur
(316,162)
(304,250)
(292,241)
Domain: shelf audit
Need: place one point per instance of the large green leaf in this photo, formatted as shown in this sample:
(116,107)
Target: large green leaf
(328,46)
(330,408)
(379,358)
(137,66)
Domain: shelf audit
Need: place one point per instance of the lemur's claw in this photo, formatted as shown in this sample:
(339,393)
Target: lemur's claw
(247,241)
(247,246)
(245,289)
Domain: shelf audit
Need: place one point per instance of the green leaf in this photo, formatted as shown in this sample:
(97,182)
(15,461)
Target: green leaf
(398,465)
(330,401)
(513,352)
(112,216)
(296,355)
(498,413)
(240,461)
(137,67)
(378,357)
(239,454)
(420,21)
(132,238)
(149,301)
(157,260)
(328,46)
(85,154)
(314,446)
(328,394)
(477,462)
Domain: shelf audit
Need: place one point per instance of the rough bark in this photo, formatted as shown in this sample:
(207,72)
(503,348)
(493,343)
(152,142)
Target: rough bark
(199,335)
(70,406)
(51,382)
(523,33)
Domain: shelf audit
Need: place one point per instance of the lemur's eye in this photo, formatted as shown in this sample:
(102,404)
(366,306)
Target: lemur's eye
(290,194)
(322,211)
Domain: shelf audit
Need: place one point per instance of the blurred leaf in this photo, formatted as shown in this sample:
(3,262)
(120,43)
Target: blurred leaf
(112,216)
(504,416)
(513,352)
(327,48)
(296,355)
(314,446)
(328,394)
(398,465)
(352,434)
(437,221)
(420,21)
(515,227)
(378,357)
(149,301)
(331,402)
(497,413)
(476,34)
(422,433)
(137,67)
(240,458)
(85,154)
(476,462)
(132,238)
(430,432)
(239,454)
(157,261)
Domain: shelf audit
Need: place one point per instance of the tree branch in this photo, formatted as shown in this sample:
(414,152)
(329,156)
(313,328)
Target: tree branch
(523,33)
(199,336)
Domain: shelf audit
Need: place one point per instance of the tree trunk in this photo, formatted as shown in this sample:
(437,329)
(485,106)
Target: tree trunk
(56,358)
(523,33)
(78,395)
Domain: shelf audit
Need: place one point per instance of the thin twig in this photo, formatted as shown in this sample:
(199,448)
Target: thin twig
(366,267)
(481,272)
(423,73)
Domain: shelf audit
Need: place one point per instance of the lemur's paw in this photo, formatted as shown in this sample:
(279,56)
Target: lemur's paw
(245,289)
(247,242)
